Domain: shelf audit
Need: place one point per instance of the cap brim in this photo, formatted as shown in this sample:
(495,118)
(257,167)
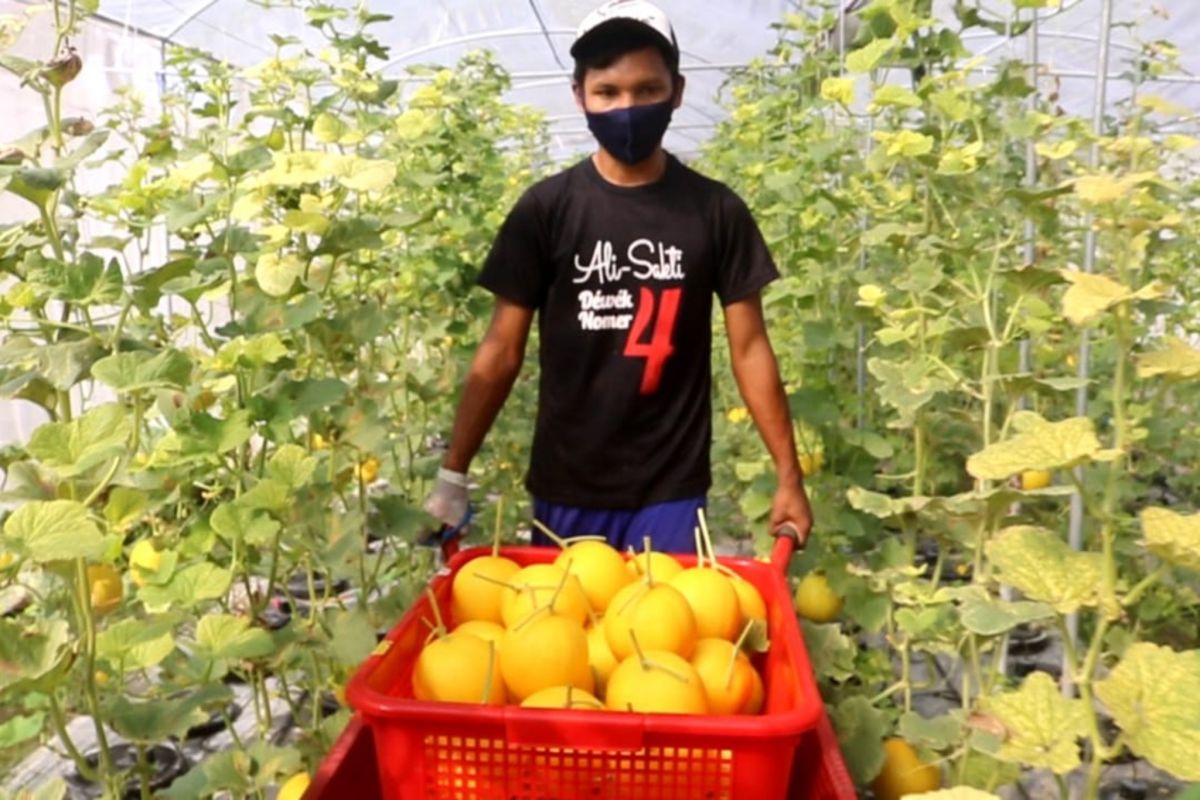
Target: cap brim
(613,25)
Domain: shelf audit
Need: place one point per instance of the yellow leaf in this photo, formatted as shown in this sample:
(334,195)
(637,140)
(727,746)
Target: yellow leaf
(1040,723)
(892,95)
(1161,105)
(1091,295)
(838,90)
(905,143)
(1057,151)
(1178,360)
(1038,444)
(1102,188)
(1043,568)
(361,174)
(1173,537)
(1151,695)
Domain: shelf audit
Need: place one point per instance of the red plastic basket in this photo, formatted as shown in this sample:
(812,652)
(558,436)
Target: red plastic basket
(452,751)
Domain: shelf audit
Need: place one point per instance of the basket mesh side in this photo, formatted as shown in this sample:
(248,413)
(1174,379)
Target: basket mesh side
(468,768)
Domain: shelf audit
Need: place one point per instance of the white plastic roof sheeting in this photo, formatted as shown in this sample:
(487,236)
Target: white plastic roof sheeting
(532,37)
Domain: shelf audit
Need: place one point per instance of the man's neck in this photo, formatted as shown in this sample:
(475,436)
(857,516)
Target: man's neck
(619,173)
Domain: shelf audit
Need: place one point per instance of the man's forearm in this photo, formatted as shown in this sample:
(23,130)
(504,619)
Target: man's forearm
(757,374)
(487,387)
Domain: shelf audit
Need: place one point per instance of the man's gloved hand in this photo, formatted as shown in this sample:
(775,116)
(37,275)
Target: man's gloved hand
(448,503)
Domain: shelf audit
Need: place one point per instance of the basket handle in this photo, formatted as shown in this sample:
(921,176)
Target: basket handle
(787,540)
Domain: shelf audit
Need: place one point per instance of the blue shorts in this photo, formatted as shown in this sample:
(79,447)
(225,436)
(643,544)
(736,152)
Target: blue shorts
(669,525)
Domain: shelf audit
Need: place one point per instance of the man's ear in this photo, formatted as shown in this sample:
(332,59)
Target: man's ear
(680,83)
(577,90)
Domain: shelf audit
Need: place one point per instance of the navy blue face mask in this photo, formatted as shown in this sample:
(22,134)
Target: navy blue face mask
(631,134)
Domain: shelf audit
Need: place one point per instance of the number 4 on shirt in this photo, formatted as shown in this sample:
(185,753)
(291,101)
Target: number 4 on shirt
(660,347)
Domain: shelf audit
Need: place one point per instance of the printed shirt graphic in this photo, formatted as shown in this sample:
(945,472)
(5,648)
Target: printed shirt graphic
(623,280)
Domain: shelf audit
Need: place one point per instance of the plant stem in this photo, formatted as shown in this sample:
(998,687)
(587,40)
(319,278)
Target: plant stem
(58,721)
(83,594)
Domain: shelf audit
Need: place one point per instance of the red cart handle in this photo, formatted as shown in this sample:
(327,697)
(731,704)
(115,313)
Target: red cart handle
(787,540)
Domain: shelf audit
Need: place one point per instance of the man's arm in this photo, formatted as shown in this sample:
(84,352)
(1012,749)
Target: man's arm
(494,368)
(757,375)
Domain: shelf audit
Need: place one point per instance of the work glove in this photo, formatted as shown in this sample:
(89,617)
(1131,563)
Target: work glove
(449,504)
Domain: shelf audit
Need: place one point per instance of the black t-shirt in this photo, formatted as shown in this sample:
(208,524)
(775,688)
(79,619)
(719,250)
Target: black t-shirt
(622,279)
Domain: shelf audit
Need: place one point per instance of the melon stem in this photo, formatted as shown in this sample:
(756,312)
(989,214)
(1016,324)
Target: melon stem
(496,528)
(497,581)
(649,551)
(648,664)
(554,537)
(737,649)
(536,610)
(440,629)
(491,667)
(561,583)
(712,556)
(634,596)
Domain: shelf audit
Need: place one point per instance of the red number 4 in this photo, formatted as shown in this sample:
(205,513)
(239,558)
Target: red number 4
(660,347)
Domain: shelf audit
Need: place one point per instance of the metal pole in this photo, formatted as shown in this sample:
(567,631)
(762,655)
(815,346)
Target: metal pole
(1075,535)
(1030,181)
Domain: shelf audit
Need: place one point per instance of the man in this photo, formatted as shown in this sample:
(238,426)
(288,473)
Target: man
(619,257)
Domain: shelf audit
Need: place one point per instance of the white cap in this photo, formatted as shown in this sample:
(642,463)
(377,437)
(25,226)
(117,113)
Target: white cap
(639,11)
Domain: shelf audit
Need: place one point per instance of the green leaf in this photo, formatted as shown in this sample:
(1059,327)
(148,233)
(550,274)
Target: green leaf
(1041,724)
(1177,360)
(187,587)
(232,521)
(125,507)
(20,729)
(1039,564)
(860,730)
(72,448)
(209,434)
(832,652)
(1152,697)
(255,351)
(223,637)
(86,148)
(158,719)
(237,771)
(136,643)
(897,96)
(1039,444)
(885,506)
(755,505)
(29,650)
(1091,295)
(865,58)
(54,788)
(55,530)
(267,495)
(35,184)
(353,637)
(985,616)
(938,733)
(292,466)
(873,443)
(142,369)
(1173,537)
(908,386)
(346,235)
